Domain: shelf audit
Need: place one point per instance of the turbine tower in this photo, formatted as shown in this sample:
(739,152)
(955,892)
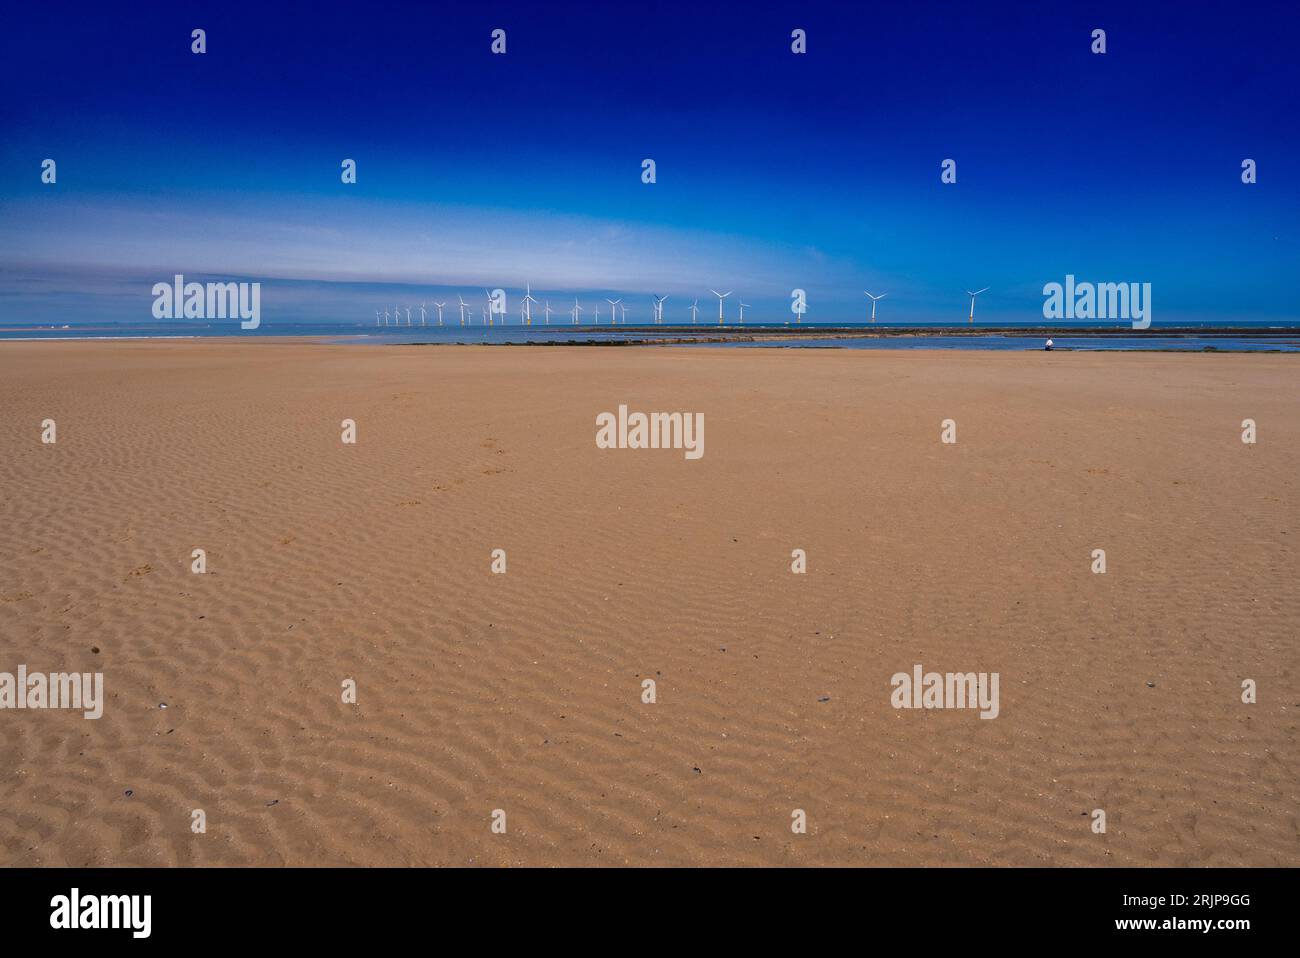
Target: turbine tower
(659,308)
(695,309)
(548,312)
(422,314)
(972,301)
(528,308)
(721,297)
(439,305)
(463,304)
(874,300)
(576,310)
(612,304)
(742,312)
(376,317)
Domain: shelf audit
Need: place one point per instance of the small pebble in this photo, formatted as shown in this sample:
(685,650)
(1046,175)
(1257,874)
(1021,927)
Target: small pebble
(824,698)
(128,793)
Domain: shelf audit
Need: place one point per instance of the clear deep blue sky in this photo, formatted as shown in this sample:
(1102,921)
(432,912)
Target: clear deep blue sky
(774,170)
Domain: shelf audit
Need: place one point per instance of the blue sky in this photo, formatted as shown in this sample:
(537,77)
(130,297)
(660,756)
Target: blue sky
(775,171)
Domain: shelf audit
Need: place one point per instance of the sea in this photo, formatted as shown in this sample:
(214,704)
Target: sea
(1070,338)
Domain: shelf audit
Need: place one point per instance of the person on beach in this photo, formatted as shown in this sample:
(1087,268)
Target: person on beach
(1048,346)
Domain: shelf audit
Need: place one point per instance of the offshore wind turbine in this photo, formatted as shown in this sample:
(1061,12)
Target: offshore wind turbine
(659,308)
(622,313)
(721,297)
(527,302)
(548,312)
(376,317)
(575,311)
(695,309)
(612,304)
(463,304)
(422,322)
(874,300)
(972,301)
(742,312)
(385,317)
(439,305)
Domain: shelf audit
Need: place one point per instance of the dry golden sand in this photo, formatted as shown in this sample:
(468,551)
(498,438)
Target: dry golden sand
(522,691)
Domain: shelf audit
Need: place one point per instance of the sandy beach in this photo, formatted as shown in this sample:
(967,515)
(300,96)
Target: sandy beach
(522,692)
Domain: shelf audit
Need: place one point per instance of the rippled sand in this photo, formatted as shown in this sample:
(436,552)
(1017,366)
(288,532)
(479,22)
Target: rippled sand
(523,691)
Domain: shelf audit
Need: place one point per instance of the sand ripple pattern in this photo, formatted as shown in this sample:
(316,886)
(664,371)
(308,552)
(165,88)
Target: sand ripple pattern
(522,691)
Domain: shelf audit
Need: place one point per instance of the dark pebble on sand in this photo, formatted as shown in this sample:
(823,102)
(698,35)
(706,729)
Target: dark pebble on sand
(95,649)
(824,698)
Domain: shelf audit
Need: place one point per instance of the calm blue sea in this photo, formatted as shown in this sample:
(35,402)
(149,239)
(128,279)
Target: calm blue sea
(1192,340)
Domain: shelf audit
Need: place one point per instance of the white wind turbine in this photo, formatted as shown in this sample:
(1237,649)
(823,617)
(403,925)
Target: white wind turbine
(575,311)
(487,317)
(422,314)
(612,304)
(972,301)
(659,308)
(385,317)
(527,302)
(598,312)
(439,305)
(721,297)
(376,317)
(622,313)
(548,312)
(397,316)
(742,312)
(463,304)
(874,300)
(695,310)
